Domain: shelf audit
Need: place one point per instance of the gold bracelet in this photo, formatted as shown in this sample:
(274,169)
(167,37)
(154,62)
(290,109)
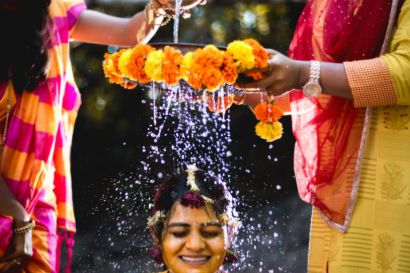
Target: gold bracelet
(166,12)
(27,226)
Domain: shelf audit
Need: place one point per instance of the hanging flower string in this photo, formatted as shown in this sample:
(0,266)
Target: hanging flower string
(268,128)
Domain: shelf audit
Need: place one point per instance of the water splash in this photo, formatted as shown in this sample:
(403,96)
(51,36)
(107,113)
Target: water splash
(178,4)
(189,134)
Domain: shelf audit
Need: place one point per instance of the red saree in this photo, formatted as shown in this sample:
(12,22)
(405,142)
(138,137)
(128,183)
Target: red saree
(329,133)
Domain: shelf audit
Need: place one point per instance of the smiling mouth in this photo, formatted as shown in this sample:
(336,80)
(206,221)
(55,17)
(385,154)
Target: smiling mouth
(195,260)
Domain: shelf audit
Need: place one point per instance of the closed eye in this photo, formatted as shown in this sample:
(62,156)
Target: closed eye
(179,234)
(210,234)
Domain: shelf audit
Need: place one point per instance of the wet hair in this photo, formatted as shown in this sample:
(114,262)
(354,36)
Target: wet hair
(176,188)
(24,45)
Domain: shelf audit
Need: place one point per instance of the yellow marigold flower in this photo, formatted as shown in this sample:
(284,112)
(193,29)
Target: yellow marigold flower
(187,63)
(153,65)
(123,63)
(269,131)
(242,54)
(211,47)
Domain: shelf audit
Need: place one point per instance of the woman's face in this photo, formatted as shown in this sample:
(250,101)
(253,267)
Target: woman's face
(193,241)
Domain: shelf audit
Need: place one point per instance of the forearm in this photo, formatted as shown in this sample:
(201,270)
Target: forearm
(9,205)
(98,28)
(332,78)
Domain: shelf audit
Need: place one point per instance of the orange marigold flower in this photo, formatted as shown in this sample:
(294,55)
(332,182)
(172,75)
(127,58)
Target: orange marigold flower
(111,74)
(132,64)
(217,104)
(110,68)
(212,79)
(195,80)
(261,55)
(171,72)
(261,58)
(229,70)
(205,72)
(267,112)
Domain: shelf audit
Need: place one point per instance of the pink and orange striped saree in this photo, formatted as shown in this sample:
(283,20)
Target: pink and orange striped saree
(35,163)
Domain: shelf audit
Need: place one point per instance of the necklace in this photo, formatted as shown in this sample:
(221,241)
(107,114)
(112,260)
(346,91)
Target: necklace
(8,107)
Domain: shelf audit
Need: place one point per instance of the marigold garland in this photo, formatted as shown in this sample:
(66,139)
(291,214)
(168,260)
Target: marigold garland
(268,128)
(208,68)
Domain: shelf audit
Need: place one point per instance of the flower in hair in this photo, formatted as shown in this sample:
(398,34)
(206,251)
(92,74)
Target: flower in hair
(192,200)
(157,217)
(230,257)
(156,254)
(191,169)
(223,219)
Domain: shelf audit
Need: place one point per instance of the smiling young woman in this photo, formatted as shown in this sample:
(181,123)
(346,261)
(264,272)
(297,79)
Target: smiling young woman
(192,224)
(193,240)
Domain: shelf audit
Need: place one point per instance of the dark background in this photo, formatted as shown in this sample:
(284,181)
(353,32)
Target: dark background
(111,130)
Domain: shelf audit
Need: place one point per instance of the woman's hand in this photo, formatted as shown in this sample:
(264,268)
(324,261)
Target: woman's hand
(281,75)
(19,250)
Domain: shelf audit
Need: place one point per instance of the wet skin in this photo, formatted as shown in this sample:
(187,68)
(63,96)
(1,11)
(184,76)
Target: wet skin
(193,241)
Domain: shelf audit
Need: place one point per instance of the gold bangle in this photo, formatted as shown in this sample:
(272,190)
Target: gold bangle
(27,226)
(165,12)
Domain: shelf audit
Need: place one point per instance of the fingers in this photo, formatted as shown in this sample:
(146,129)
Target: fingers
(20,248)
(271,91)
(14,266)
(271,51)
(13,257)
(255,85)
